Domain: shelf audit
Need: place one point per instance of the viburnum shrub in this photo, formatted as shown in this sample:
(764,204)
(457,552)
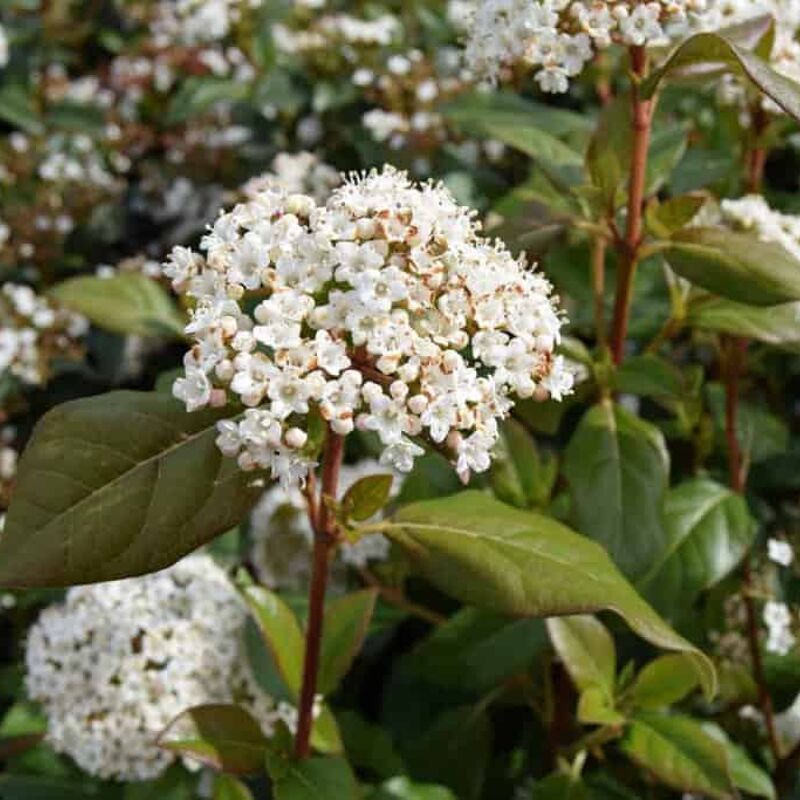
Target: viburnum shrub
(403,396)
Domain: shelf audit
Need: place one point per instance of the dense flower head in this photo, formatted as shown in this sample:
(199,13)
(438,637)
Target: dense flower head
(557,38)
(281,534)
(115,663)
(753,213)
(296,173)
(384,308)
(34,332)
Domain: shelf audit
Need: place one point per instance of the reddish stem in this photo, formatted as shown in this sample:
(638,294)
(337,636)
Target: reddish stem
(642,118)
(734,359)
(324,524)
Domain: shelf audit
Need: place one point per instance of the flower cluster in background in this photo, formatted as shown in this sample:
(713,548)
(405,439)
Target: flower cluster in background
(384,308)
(115,663)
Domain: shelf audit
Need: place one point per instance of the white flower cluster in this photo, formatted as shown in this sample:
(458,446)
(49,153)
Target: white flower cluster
(296,173)
(195,21)
(282,536)
(778,619)
(337,31)
(780,552)
(117,662)
(33,332)
(384,308)
(557,38)
(752,213)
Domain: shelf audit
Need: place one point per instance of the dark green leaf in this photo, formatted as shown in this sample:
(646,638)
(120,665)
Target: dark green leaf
(709,529)
(520,563)
(648,376)
(347,621)
(223,737)
(118,485)
(38,787)
(226,787)
(735,265)
(707,50)
(401,788)
(198,94)
(776,325)
(127,304)
(617,466)
(369,746)
(679,753)
(312,779)
(560,786)
(366,497)
(281,634)
(18,109)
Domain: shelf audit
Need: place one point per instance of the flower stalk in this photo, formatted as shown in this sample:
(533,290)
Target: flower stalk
(323,522)
(629,246)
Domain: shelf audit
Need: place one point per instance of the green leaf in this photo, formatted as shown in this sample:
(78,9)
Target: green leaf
(776,325)
(617,466)
(117,485)
(586,649)
(520,563)
(325,736)
(17,108)
(346,624)
(226,787)
(401,788)
(560,786)
(369,746)
(667,218)
(706,50)
(477,650)
(596,707)
(521,476)
(454,751)
(735,265)
(319,778)
(648,376)
(744,773)
(664,681)
(366,497)
(198,94)
(39,787)
(126,304)
(224,737)
(679,753)
(709,529)
(281,634)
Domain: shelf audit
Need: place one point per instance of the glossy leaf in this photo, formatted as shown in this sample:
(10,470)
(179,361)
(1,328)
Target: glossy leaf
(777,325)
(125,303)
(224,737)
(281,634)
(735,265)
(679,753)
(520,563)
(366,497)
(319,778)
(226,787)
(586,649)
(648,376)
(709,529)
(118,485)
(521,475)
(368,746)
(346,624)
(664,681)
(745,775)
(710,49)
(617,467)
(401,788)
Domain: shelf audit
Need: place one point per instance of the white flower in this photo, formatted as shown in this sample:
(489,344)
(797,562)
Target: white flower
(116,662)
(383,308)
(778,620)
(780,552)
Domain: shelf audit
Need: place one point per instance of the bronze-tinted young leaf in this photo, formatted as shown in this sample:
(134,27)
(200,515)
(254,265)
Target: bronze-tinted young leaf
(586,649)
(680,754)
(345,628)
(706,51)
(281,634)
(127,303)
(735,265)
(708,531)
(366,497)
(617,466)
(777,325)
(224,737)
(493,556)
(319,778)
(117,485)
